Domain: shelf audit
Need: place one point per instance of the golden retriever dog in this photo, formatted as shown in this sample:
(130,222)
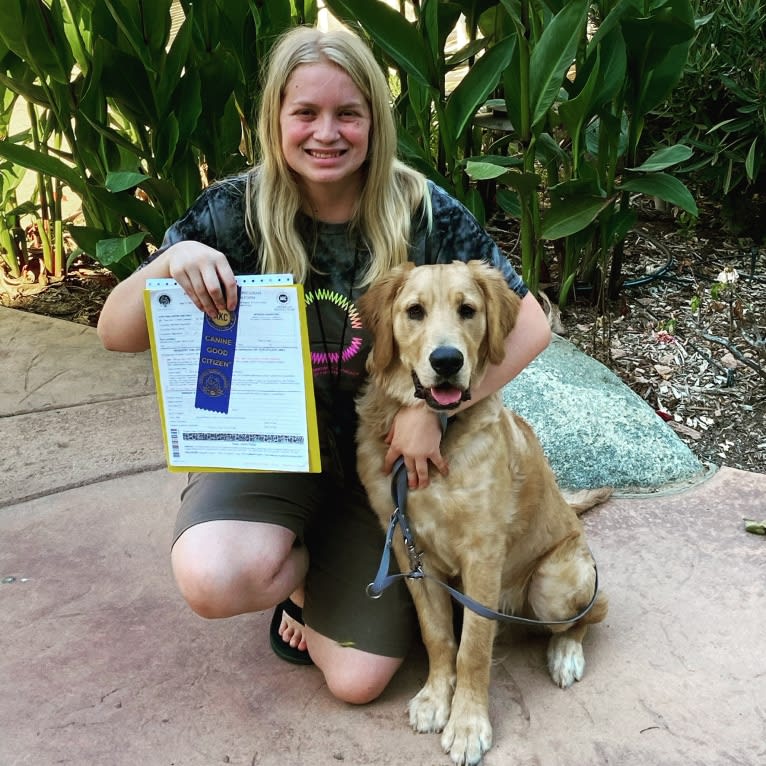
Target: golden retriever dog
(497,524)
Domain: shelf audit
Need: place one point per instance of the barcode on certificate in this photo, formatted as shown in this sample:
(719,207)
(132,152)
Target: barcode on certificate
(208,436)
(174,448)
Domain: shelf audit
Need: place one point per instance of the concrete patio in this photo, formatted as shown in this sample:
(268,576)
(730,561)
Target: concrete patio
(103,664)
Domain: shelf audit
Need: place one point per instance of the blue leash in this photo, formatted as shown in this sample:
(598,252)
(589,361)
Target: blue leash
(384,580)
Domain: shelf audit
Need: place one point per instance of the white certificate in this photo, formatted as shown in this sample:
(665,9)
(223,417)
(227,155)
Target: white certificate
(235,393)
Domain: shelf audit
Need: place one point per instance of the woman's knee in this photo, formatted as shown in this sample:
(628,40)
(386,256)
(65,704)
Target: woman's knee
(219,577)
(351,675)
(360,685)
(209,589)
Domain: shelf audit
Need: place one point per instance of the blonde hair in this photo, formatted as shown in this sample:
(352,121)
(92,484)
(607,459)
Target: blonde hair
(391,193)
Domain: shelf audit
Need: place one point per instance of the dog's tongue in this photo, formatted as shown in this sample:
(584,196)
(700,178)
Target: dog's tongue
(446,396)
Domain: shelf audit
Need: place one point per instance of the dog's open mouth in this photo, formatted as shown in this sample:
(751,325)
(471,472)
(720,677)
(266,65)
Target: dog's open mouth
(442,396)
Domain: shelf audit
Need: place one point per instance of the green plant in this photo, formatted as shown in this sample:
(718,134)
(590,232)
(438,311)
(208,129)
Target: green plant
(10,177)
(133,122)
(719,106)
(580,136)
(437,133)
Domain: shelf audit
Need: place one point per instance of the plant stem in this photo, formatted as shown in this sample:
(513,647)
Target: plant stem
(6,243)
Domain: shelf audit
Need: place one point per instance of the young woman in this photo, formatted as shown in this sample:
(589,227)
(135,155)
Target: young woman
(330,203)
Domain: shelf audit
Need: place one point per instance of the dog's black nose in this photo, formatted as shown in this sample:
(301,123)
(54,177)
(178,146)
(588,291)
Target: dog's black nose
(446,360)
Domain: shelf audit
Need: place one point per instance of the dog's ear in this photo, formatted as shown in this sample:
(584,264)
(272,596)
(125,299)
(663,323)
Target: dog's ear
(376,310)
(502,307)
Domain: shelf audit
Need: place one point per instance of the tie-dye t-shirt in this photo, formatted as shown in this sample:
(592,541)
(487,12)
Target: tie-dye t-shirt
(339,343)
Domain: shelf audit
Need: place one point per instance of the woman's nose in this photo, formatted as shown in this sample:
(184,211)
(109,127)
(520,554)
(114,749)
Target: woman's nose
(326,128)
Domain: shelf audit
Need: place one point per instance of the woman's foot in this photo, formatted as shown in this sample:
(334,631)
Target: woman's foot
(286,632)
(291,626)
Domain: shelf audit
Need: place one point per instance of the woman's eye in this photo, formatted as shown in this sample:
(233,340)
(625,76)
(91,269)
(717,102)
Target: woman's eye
(416,312)
(466,312)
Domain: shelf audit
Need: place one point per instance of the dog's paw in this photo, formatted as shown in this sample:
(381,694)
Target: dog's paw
(467,737)
(430,707)
(566,662)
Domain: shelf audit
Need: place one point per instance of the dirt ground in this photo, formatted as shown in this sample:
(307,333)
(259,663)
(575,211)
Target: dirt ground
(687,333)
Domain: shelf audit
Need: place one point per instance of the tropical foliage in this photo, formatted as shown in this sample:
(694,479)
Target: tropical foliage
(131,121)
(536,107)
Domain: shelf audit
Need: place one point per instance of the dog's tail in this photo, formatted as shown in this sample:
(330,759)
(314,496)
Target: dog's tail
(582,500)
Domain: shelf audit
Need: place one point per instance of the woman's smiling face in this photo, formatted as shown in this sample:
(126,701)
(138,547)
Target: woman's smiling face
(325,124)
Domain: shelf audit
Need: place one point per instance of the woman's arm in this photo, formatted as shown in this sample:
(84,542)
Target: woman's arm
(416,433)
(203,273)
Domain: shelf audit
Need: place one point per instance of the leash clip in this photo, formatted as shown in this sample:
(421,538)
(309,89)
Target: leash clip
(416,563)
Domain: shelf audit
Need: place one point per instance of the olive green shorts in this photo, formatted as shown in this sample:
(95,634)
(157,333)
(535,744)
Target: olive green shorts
(344,541)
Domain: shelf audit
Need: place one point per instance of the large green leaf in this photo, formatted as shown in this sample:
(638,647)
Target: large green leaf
(125,79)
(480,81)
(613,68)
(751,163)
(124,180)
(429,27)
(117,257)
(12,26)
(665,158)
(523,182)
(658,44)
(509,202)
(187,104)
(484,171)
(146,26)
(571,214)
(28,28)
(392,32)
(513,9)
(611,22)
(218,72)
(43,163)
(114,250)
(172,68)
(132,208)
(665,187)
(165,142)
(575,111)
(49,24)
(72,21)
(552,56)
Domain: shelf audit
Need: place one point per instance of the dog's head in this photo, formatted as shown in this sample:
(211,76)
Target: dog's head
(436,328)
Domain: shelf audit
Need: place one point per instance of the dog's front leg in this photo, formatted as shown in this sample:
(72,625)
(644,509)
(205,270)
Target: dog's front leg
(468,734)
(429,709)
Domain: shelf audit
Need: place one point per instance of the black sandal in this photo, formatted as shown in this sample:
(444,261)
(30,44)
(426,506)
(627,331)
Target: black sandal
(281,648)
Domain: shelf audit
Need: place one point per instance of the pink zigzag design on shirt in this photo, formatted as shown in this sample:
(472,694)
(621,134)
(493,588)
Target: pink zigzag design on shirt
(354,320)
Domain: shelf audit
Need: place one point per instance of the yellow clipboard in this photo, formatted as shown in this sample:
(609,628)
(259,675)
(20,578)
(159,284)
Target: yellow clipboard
(235,393)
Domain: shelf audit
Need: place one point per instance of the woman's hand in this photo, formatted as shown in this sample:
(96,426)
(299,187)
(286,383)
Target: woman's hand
(203,273)
(205,276)
(415,435)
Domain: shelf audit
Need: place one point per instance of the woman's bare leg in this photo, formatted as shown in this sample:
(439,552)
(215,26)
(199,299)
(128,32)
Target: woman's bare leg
(225,568)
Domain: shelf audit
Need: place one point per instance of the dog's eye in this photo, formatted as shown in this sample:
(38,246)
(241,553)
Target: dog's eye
(465,311)
(416,312)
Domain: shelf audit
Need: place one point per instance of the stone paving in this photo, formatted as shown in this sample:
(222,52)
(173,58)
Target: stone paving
(103,664)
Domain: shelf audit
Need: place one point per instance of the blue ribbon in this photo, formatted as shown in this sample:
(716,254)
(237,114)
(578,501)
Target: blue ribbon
(216,361)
